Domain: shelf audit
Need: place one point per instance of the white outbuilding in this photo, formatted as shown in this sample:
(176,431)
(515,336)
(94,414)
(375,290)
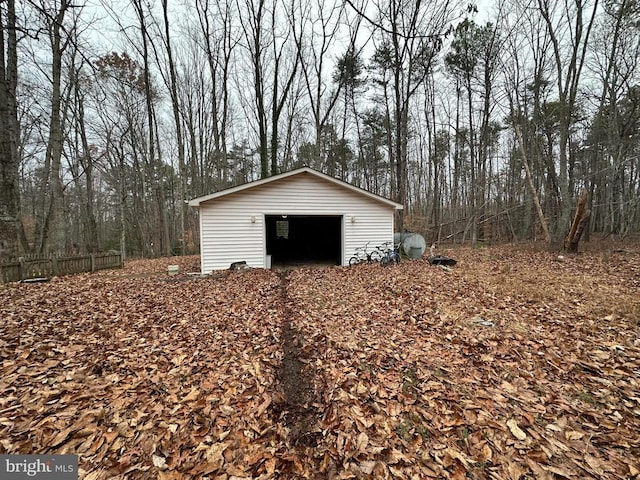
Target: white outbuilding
(298,216)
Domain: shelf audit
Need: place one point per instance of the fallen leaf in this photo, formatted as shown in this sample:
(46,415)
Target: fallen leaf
(515,471)
(573,435)
(159,461)
(515,430)
(362,442)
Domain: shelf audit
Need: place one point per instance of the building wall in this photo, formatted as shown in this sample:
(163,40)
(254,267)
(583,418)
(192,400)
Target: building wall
(228,234)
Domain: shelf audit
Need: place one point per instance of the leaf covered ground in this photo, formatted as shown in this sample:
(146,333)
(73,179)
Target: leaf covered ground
(514,365)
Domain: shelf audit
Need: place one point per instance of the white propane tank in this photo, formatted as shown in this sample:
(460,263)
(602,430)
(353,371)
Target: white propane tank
(413,245)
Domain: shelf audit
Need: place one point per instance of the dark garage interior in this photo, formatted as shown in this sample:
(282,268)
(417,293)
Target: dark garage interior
(294,239)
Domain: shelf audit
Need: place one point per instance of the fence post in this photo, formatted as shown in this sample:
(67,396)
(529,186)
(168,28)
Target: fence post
(54,265)
(93,262)
(23,270)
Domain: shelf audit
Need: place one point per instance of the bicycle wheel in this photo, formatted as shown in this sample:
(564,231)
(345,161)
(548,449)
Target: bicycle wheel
(375,256)
(386,260)
(354,261)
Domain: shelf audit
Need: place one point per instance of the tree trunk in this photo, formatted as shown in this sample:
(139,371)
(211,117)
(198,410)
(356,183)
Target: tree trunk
(9,197)
(90,224)
(51,229)
(173,88)
(580,221)
(543,220)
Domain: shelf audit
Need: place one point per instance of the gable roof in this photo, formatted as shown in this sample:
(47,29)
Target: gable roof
(197,201)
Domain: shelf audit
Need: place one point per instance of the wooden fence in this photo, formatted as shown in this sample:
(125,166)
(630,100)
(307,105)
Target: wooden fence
(29,267)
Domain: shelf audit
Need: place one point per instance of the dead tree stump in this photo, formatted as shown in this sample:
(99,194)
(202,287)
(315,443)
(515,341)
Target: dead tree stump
(580,222)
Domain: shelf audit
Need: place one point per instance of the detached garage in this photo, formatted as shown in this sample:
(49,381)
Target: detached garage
(295,217)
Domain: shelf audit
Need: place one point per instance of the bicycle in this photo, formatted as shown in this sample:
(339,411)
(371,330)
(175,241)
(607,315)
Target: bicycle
(390,255)
(362,255)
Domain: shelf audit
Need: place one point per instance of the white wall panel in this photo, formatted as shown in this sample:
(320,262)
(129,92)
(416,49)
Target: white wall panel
(228,234)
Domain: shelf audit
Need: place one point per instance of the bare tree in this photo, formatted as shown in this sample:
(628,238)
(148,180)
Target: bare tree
(614,128)
(172,84)
(123,131)
(48,228)
(9,132)
(528,73)
(81,156)
(316,26)
(569,26)
(473,59)
(274,65)
(216,35)
(410,36)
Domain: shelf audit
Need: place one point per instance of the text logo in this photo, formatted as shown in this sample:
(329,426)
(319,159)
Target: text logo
(50,467)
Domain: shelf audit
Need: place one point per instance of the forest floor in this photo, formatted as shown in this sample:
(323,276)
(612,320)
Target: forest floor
(514,365)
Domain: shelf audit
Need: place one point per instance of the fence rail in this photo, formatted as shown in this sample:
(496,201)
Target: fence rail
(29,267)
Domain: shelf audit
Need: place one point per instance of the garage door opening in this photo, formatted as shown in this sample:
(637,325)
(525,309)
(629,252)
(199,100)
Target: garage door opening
(298,239)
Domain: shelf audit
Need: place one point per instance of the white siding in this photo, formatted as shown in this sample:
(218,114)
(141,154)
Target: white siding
(228,235)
